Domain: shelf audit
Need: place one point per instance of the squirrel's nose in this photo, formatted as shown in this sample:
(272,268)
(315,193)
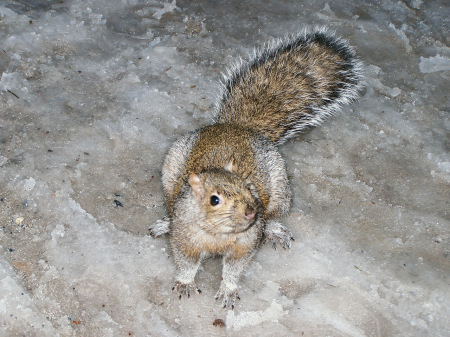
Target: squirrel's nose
(249,213)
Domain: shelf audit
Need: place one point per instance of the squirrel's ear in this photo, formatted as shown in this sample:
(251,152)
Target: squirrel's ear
(197,185)
(230,166)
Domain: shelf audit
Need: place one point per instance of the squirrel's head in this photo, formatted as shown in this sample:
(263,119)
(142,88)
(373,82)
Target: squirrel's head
(226,201)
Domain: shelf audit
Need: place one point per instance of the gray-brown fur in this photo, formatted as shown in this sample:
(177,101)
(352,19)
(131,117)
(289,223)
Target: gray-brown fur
(225,184)
(290,84)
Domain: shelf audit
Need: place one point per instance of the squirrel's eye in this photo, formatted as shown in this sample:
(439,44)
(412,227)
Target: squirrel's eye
(214,200)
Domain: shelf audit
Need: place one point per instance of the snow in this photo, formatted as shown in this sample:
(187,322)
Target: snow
(434,64)
(92,94)
(401,34)
(253,318)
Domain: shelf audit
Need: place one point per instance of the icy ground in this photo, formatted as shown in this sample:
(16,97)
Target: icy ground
(94,92)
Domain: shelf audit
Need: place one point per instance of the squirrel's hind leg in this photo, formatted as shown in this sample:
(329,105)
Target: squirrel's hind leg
(278,234)
(160,227)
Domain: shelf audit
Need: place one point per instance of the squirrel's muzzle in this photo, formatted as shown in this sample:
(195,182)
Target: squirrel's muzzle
(249,213)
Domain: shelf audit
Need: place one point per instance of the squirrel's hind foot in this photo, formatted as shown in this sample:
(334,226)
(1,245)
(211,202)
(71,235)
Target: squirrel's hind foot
(185,289)
(278,234)
(159,228)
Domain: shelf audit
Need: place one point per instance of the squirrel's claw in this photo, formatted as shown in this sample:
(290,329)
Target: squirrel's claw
(278,234)
(160,227)
(185,289)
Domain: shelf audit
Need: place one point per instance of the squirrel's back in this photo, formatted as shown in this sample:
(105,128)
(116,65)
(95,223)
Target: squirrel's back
(290,84)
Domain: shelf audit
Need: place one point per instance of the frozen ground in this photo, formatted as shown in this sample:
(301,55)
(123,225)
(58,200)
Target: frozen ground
(94,92)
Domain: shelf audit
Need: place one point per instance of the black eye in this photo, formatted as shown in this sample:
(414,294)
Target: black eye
(214,200)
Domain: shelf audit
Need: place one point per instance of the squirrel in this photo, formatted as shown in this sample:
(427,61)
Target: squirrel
(226,184)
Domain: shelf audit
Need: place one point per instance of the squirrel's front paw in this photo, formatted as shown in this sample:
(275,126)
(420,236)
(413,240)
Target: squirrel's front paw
(229,296)
(160,227)
(185,289)
(278,234)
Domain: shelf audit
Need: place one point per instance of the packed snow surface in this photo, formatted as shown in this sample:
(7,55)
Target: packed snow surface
(92,94)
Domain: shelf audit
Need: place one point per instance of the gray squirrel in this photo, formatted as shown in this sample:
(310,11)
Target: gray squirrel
(226,184)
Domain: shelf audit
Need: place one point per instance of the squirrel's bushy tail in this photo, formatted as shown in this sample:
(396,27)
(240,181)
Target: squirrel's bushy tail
(290,84)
